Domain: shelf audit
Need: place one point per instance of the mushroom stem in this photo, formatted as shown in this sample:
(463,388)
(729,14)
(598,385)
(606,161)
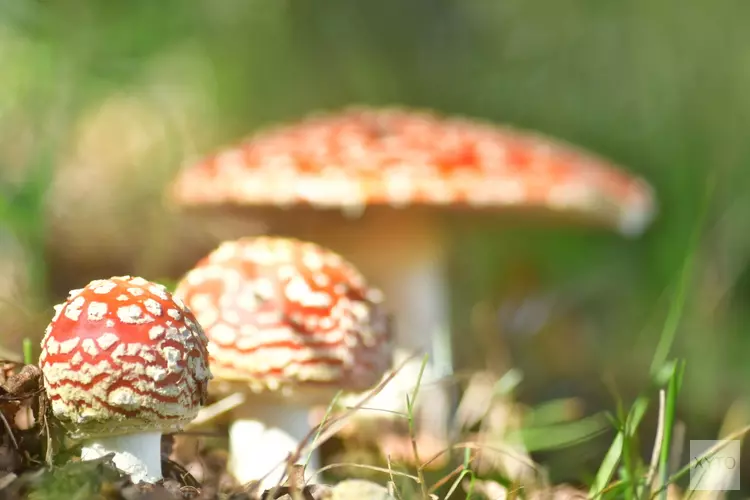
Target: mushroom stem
(262,435)
(136,454)
(417,291)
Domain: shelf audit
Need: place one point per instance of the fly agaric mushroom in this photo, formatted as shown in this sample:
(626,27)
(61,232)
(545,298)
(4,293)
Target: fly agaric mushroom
(407,167)
(123,362)
(289,324)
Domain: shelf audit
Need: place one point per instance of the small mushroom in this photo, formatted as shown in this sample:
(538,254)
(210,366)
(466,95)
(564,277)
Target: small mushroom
(289,324)
(123,362)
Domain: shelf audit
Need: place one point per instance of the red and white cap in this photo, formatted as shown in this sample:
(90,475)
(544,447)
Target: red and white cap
(122,355)
(282,314)
(396,157)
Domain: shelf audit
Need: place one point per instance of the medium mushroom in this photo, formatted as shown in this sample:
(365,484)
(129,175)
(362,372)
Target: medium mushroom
(124,361)
(407,168)
(289,324)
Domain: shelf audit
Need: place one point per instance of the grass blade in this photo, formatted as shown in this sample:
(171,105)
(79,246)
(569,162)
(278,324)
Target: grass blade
(611,460)
(678,302)
(673,388)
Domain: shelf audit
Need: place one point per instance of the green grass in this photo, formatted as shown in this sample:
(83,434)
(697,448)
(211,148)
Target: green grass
(665,374)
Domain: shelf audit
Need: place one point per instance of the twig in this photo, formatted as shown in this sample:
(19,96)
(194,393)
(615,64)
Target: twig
(458,470)
(478,446)
(10,431)
(392,482)
(375,468)
(218,408)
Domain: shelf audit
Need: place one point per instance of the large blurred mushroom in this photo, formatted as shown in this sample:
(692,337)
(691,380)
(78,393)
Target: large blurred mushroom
(289,324)
(406,168)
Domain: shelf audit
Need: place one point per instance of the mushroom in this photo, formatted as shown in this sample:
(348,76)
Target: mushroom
(407,168)
(289,324)
(124,361)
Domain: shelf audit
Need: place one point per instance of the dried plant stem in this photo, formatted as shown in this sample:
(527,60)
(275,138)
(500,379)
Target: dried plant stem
(656,452)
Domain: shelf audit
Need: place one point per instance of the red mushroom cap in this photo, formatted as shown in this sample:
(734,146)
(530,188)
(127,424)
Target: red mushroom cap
(281,313)
(121,355)
(396,157)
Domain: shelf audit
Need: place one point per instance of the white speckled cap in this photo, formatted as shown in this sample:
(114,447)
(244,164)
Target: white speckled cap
(287,316)
(394,157)
(122,355)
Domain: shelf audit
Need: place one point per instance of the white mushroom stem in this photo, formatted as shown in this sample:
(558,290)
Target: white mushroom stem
(136,454)
(263,435)
(417,293)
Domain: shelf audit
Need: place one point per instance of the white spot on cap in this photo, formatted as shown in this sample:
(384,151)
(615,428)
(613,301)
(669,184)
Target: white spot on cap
(53,346)
(264,288)
(104,287)
(73,311)
(59,407)
(232,317)
(201,301)
(156,372)
(321,279)
(58,309)
(317,299)
(133,315)
(96,311)
(155,332)
(135,292)
(174,314)
(159,290)
(67,346)
(248,300)
(124,397)
(400,187)
(223,334)
(297,288)
(178,302)
(313,260)
(153,307)
(123,297)
(118,351)
(89,347)
(134,349)
(173,356)
(311,323)
(107,340)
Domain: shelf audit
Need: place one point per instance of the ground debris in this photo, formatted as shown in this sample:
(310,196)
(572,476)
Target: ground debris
(35,463)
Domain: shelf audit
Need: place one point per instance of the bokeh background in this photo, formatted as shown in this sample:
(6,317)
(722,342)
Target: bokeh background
(102,102)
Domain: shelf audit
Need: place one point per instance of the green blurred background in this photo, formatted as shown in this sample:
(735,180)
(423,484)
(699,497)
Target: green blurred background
(102,102)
